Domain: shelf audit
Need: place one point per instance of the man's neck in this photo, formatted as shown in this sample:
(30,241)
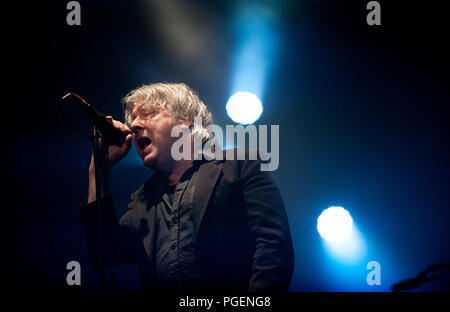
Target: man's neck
(178,170)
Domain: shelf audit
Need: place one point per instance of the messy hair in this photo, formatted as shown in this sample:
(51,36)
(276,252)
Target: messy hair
(180,101)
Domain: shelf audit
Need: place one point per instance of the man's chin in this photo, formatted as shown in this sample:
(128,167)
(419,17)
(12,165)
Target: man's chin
(149,162)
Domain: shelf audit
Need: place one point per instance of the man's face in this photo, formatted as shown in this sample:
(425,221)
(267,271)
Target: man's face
(151,134)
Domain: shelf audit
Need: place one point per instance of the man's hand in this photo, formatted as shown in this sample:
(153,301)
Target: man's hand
(110,156)
(116,153)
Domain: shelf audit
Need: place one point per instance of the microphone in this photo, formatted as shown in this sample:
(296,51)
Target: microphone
(111,134)
(407,284)
(431,273)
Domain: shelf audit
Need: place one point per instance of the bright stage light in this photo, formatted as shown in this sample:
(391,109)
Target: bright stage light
(334,224)
(244,108)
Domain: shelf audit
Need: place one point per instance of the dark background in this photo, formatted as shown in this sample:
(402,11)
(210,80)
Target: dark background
(363,115)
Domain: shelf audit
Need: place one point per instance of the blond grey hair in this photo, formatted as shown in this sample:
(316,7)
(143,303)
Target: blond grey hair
(180,101)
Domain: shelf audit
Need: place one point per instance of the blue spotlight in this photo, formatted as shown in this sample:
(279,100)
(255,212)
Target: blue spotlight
(244,108)
(341,238)
(254,28)
(334,224)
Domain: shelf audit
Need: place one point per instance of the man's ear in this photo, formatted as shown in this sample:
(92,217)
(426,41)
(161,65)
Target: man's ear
(190,122)
(187,122)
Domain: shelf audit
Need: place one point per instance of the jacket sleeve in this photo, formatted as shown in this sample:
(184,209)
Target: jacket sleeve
(273,261)
(119,243)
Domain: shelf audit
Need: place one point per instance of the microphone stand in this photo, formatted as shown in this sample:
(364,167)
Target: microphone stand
(102,130)
(99,192)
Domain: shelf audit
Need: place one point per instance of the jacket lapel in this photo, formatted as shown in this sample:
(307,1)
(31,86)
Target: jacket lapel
(207,176)
(149,199)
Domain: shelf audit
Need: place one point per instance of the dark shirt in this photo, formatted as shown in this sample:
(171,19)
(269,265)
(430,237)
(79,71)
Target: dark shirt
(175,253)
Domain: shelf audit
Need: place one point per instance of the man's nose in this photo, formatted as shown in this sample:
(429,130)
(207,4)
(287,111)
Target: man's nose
(136,125)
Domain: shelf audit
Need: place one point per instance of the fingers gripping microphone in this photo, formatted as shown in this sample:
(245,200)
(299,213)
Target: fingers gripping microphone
(111,134)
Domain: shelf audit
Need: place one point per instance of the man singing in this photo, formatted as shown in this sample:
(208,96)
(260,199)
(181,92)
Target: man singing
(195,225)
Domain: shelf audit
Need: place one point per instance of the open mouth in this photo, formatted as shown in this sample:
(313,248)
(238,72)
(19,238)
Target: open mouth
(143,143)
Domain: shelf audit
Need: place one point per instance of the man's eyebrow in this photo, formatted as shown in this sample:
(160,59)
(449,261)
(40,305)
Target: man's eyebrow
(134,112)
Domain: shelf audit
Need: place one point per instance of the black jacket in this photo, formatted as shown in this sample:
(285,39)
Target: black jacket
(241,231)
